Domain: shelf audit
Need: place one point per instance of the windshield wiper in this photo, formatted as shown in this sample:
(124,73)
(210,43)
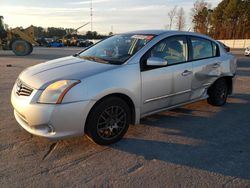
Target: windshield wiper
(93,58)
(76,55)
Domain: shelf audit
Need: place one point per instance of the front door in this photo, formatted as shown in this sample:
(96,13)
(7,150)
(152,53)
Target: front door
(166,86)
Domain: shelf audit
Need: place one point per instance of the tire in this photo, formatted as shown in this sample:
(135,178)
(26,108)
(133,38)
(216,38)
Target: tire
(21,48)
(108,121)
(218,93)
(31,49)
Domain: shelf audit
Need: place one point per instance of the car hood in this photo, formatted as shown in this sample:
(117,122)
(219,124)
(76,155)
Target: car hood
(75,68)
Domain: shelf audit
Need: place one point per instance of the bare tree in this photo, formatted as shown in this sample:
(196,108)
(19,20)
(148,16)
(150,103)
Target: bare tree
(199,5)
(180,18)
(171,16)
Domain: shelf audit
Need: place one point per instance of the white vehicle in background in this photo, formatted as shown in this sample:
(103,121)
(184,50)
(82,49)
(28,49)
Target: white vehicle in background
(247,51)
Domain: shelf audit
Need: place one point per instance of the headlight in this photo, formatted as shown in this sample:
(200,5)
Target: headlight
(55,92)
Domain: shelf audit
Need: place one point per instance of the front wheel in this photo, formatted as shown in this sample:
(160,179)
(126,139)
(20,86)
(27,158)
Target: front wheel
(218,93)
(108,121)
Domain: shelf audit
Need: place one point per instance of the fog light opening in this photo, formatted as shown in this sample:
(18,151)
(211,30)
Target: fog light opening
(51,130)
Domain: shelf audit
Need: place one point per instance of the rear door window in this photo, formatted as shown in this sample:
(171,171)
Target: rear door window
(202,48)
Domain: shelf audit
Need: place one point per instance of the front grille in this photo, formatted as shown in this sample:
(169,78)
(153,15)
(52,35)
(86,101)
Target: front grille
(22,89)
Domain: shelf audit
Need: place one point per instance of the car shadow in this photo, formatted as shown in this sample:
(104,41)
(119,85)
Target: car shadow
(243,72)
(217,145)
(243,62)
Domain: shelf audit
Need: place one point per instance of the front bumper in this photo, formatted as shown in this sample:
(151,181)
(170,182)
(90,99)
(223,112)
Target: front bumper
(49,120)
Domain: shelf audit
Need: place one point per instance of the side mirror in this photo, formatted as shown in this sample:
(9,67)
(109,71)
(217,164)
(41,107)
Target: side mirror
(227,49)
(156,61)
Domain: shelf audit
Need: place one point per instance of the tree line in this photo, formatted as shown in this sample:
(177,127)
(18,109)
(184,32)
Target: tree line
(229,20)
(60,32)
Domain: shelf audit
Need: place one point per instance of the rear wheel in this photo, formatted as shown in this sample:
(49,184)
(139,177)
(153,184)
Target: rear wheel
(21,47)
(108,121)
(218,93)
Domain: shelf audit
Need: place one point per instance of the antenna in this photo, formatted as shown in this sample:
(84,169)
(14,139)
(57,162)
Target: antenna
(91,15)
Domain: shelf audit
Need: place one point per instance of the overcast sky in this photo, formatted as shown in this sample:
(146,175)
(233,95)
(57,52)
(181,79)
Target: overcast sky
(119,15)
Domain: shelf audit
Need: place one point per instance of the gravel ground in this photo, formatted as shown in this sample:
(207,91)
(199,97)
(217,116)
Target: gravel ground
(197,145)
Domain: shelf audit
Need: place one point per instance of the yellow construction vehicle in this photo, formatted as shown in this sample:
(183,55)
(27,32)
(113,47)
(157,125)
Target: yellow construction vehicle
(20,41)
(74,38)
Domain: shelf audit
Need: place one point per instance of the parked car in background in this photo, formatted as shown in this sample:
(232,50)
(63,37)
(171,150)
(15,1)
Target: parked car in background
(247,51)
(44,41)
(57,44)
(84,43)
(105,88)
(227,48)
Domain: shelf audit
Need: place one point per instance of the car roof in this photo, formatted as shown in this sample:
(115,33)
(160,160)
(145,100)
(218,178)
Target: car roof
(147,32)
(167,32)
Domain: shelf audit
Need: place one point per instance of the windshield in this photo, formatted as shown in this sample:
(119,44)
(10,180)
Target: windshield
(116,49)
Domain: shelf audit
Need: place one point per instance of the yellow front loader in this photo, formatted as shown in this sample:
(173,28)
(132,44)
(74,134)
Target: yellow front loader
(20,41)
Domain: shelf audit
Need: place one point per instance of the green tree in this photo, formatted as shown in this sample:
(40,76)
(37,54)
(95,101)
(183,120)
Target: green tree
(201,16)
(218,19)
(3,33)
(229,20)
(55,32)
(70,30)
(243,31)
(231,14)
(1,23)
(39,32)
(92,35)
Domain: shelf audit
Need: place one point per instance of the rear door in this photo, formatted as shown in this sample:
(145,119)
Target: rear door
(206,65)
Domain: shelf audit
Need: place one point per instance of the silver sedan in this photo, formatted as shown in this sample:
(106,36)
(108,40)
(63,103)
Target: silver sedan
(114,83)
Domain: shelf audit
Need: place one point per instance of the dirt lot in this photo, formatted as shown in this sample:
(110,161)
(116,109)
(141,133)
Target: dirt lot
(194,146)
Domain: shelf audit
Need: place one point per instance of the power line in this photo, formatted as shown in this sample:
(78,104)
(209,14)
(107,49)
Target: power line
(91,15)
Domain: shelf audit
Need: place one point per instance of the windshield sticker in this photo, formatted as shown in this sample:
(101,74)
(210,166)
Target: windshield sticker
(143,37)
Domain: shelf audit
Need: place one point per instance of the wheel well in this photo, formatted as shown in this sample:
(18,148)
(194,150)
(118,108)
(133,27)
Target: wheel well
(229,80)
(125,98)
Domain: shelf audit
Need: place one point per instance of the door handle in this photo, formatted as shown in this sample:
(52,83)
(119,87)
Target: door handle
(186,73)
(216,65)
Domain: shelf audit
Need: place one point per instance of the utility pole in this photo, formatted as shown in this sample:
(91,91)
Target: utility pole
(91,15)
